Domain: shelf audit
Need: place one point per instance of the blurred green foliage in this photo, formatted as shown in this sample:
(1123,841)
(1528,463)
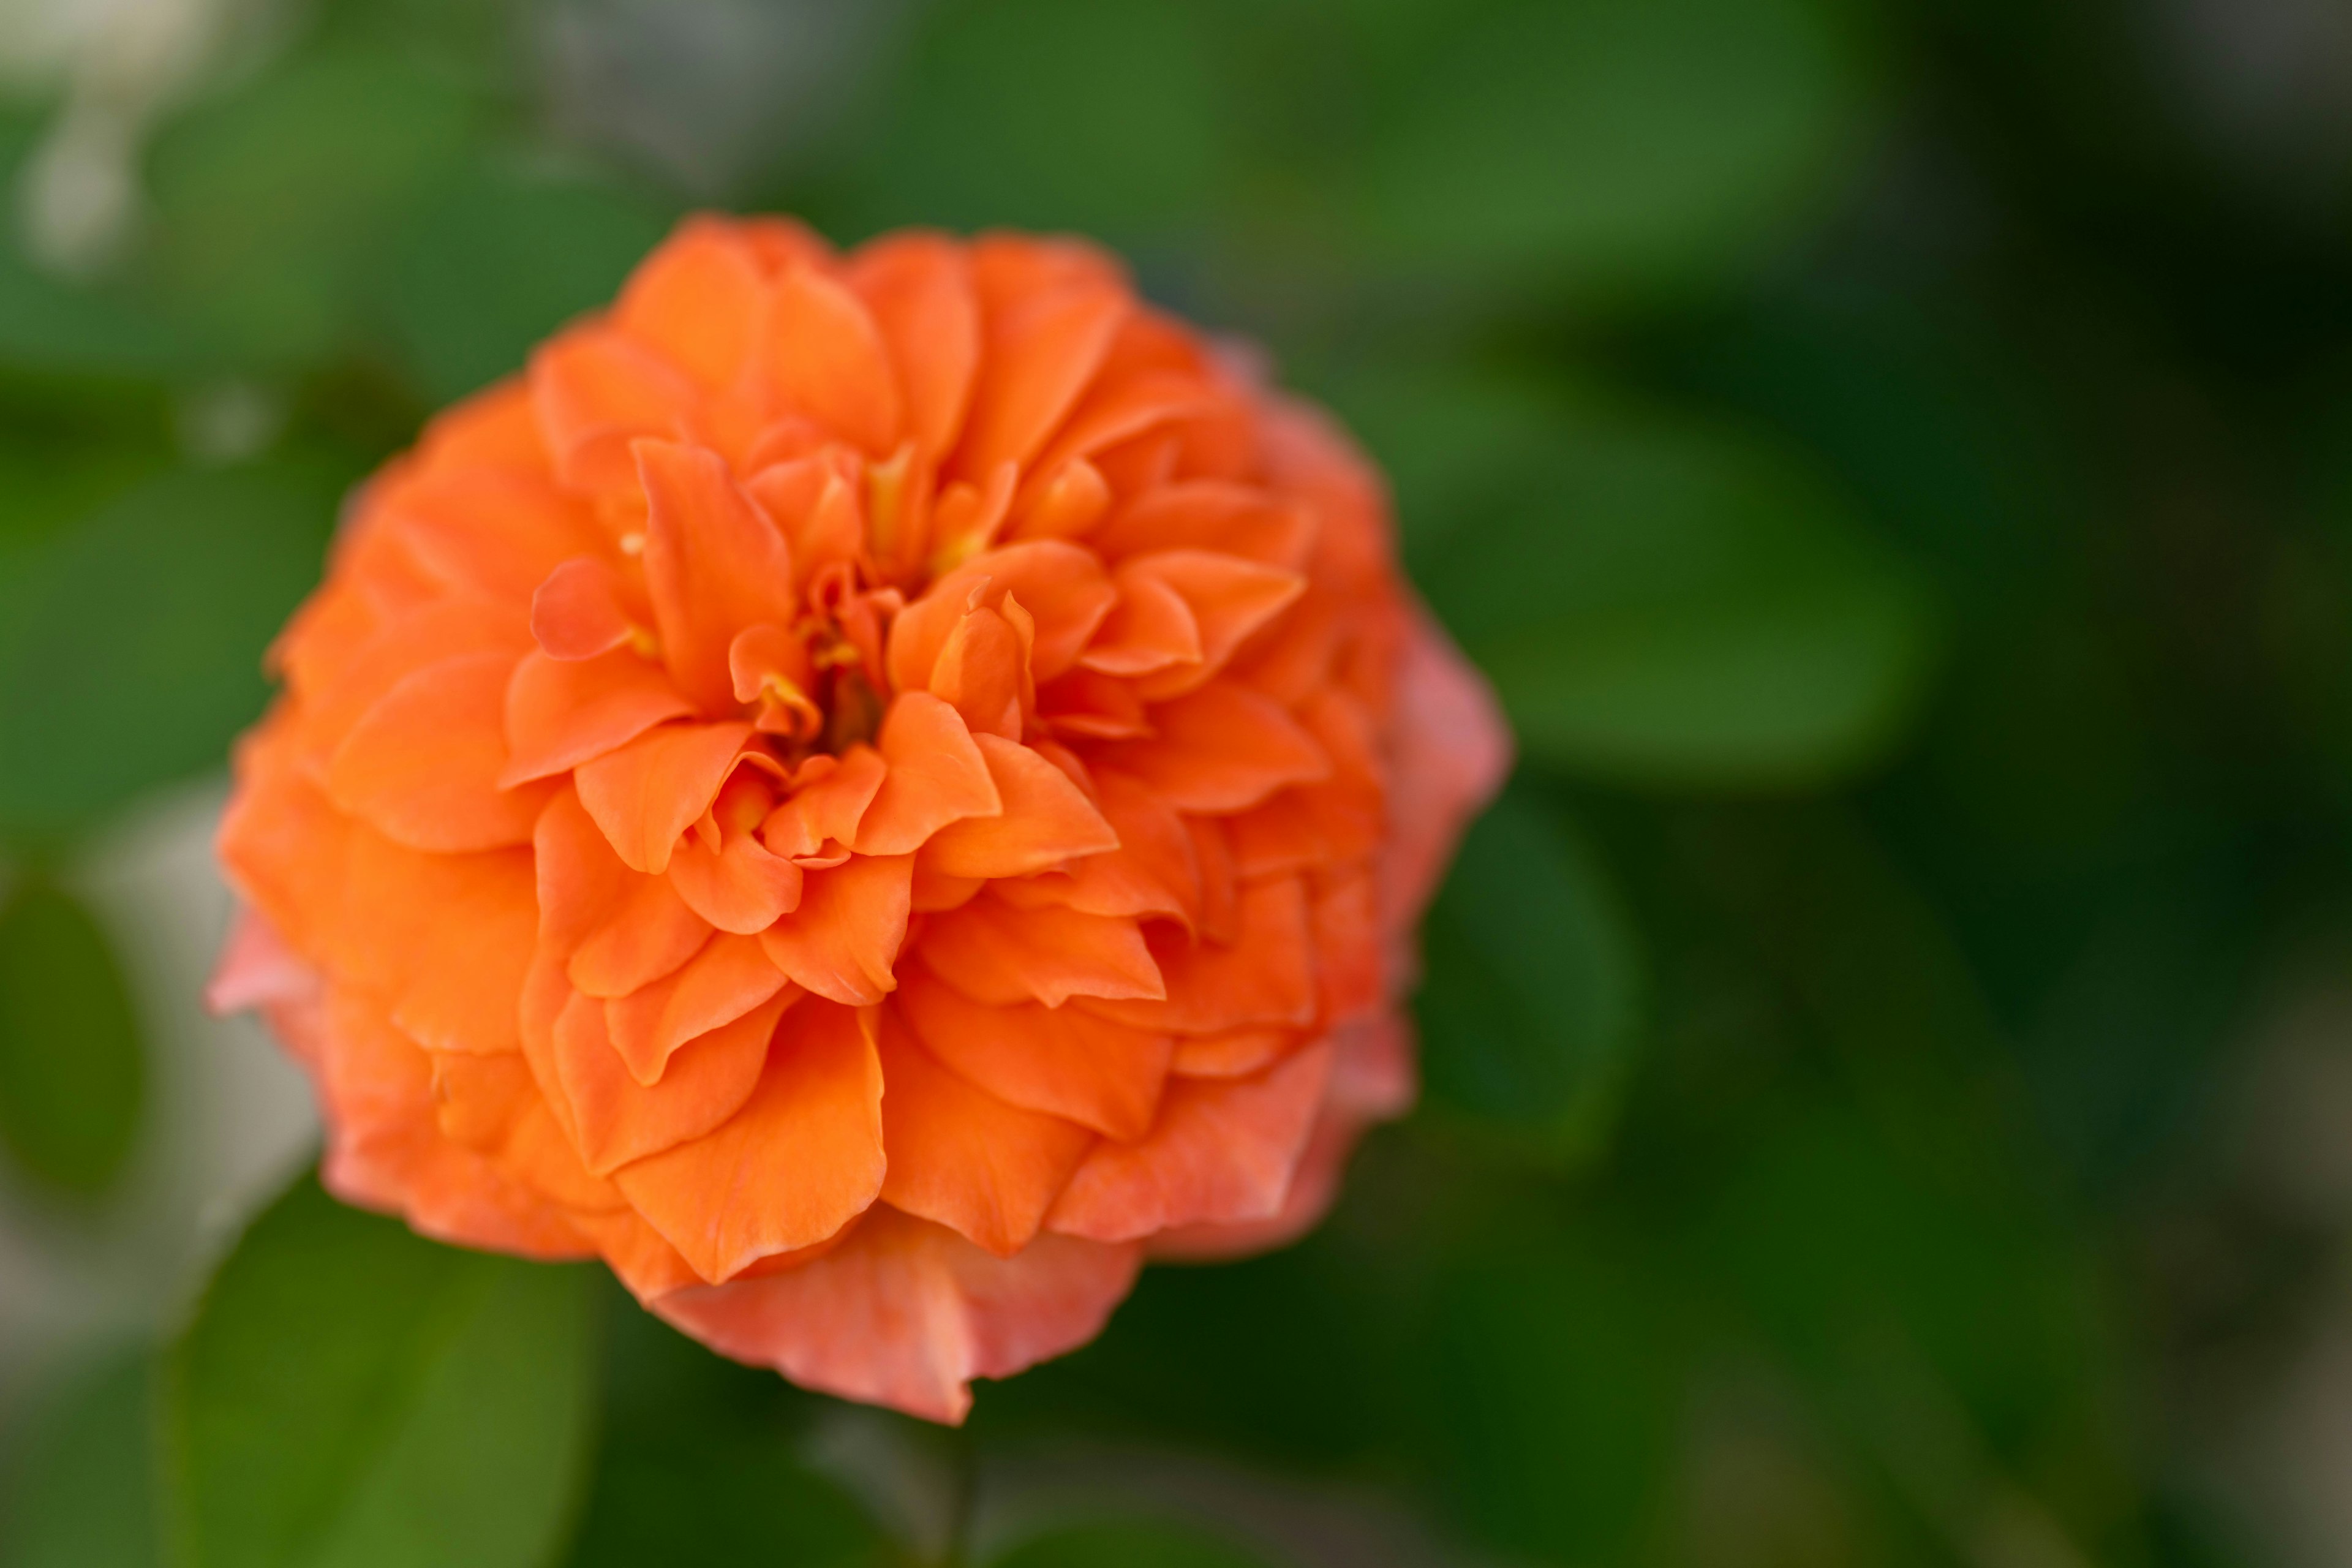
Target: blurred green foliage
(1893,462)
(73,1072)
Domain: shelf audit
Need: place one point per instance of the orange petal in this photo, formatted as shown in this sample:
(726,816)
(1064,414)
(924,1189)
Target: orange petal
(1223,1150)
(983,673)
(477,1099)
(1089,1069)
(1449,752)
(1210,514)
(714,562)
(960,1155)
(1350,969)
(727,979)
(596,391)
(828,807)
(385,1149)
(560,713)
(582,883)
(1151,628)
(494,428)
(1212,855)
(1223,748)
(826,357)
(691,297)
(843,942)
(816,502)
(1236,1053)
(1229,598)
(650,932)
(439,517)
(256,968)
(937,776)
(1069,505)
(1119,409)
(907,1314)
(469,975)
(1371,1081)
(422,766)
(1039,355)
(1150,871)
(1265,975)
(1060,584)
(918,291)
(1094,707)
(395,651)
(1046,820)
(582,609)
(741,888)
(647,1265)
(800,1160)
(996,953)
(540,1155)
(619,1120)
(646,792)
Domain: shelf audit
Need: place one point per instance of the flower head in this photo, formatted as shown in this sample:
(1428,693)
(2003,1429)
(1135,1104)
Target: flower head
(867,790)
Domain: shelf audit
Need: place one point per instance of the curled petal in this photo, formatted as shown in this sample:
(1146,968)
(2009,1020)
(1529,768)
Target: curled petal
(650,932)
(960,1156)
(1039,356)
(1450,754)
(918,291)
(422,766)
(560,713)
(907,1314)
(802,1159)
(843,940)
(727,979)
(827,359)
(690,299)
(1045,820)
(582,609)
(1061,586)
(714,563)
(1223,748)
(1263,975)
(828,805)
(937,775)
(644,793)
(997,953)
(741,886)
(1220,1152)
(596,391)
(1097,1073)
(617,1118)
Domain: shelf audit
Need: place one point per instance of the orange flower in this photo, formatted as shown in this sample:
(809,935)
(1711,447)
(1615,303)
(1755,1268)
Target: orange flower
(869,791)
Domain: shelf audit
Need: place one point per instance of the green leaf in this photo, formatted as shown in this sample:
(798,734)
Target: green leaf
(1955,1341)
(1531,1008)
(1597,143)
(1668,605)
(1101,116)
(1560,1393)
(351,1395)
(499,259)
(1129,1543)
(701,1461)
(716,1497)
(135,651)
(273,204)
(80,1489)
(73,1070)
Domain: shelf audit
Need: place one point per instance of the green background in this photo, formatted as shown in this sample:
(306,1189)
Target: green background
(1886,1052)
